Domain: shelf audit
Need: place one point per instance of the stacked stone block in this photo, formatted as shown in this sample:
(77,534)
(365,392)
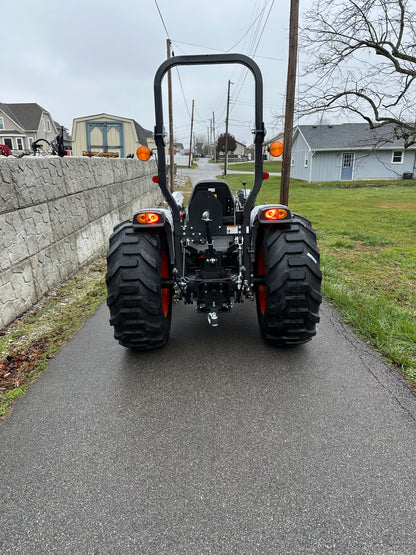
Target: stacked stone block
(56,215)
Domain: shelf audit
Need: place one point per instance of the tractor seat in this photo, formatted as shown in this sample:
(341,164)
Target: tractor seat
(221,191)
(200,202)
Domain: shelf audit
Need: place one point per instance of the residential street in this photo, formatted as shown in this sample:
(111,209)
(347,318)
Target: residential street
(216,443)
(205,170)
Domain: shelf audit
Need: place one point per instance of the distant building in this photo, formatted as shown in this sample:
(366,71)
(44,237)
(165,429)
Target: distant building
(250,150)
(240,150)
(105,133)
(349,151)
(22,124)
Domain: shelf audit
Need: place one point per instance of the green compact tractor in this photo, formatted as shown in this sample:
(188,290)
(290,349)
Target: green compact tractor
(220,250)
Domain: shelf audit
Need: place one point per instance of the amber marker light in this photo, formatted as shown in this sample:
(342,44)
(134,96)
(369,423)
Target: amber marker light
(273,214)
(148,218)
(143,153)
(276,149)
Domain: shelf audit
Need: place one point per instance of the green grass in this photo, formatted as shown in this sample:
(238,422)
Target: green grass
(367,236)
(268,166)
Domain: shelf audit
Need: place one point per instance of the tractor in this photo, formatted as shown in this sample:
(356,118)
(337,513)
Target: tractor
(220,250)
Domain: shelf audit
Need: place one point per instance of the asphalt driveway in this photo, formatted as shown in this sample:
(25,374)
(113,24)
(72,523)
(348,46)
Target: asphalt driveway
(216,443)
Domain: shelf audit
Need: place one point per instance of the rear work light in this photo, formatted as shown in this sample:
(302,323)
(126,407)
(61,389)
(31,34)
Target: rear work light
(148,218)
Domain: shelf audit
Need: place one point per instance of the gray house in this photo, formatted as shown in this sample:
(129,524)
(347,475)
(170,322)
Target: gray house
(349,151)
(21,124)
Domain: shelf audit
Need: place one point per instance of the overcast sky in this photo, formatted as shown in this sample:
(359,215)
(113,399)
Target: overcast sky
(86,57)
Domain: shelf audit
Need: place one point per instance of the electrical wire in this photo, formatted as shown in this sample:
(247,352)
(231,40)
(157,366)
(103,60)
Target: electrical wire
(161,17)
(177,70)
(183,92)
(254,52)
(260,14)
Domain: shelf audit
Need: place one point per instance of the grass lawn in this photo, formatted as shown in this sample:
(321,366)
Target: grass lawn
(367,236)
(268,166)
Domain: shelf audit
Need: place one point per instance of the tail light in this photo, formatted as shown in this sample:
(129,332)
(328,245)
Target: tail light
(271,214)
(149,218)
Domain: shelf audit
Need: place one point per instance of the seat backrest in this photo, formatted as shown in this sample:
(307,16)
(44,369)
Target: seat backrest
(221,191)
(201,201)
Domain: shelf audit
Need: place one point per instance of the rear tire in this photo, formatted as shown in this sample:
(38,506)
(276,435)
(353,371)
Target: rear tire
(288,302)
(140,307)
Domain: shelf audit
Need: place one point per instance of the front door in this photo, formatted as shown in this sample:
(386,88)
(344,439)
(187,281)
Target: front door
(105,136)
(347,165)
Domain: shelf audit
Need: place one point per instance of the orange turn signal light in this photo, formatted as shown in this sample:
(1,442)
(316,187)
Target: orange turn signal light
(148,218)
(276,148)
(273,214)
(143,153)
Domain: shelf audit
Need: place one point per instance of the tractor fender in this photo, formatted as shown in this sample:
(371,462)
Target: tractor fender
(258,220)
(165,225)
(257,214)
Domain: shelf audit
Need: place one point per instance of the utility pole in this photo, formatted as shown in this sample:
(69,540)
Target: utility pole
(171,149)
(290,101)
(190,141)
(226,130)
(213,131)
(210,137)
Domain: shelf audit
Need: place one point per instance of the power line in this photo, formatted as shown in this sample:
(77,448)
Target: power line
(254,52)
(176,42)
(260,14)
(183,92)
(161,17)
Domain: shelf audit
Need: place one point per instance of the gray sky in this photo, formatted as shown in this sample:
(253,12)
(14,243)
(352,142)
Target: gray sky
(85,57)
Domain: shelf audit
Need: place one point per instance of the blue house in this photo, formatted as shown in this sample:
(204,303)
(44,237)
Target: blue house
(349,151)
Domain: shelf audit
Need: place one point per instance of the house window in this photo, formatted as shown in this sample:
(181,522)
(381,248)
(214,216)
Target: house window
(8,142)
(397,157)
(19,142)
(43,123)
(306,164)
(30,142)
(292,161)
(48,123)
(1,122)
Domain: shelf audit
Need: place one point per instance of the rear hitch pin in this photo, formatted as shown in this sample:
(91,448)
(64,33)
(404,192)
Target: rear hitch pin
(213,316)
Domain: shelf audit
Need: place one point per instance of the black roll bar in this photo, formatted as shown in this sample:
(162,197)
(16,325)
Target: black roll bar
(259,132)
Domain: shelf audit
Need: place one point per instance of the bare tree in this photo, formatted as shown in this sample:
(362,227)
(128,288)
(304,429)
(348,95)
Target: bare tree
(362,59)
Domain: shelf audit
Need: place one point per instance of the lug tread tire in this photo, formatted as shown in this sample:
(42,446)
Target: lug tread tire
(293,283)
(134,288)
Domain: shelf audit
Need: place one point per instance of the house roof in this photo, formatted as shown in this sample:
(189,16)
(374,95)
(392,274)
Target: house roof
(27,115)
(6,110)
(354,136)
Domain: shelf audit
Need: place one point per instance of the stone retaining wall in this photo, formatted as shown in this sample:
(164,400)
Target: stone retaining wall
(57,214)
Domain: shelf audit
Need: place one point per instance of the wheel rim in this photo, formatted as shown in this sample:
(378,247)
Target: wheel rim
(261,289)
(165,292)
